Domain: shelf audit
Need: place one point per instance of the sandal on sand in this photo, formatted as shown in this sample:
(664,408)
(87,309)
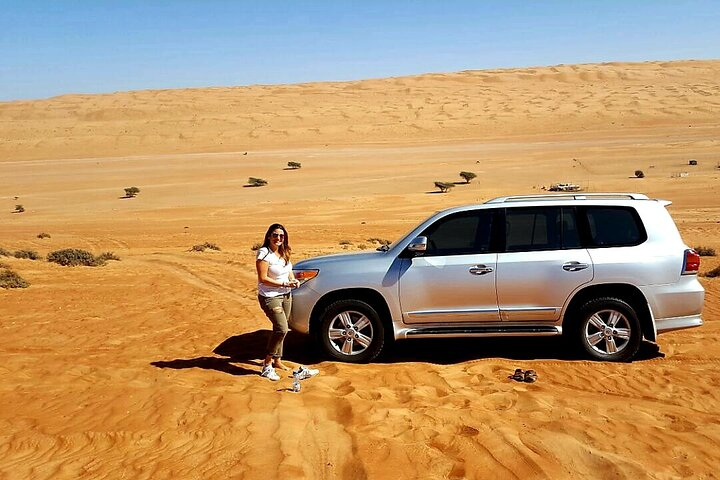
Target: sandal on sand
(518,375)
(530,376)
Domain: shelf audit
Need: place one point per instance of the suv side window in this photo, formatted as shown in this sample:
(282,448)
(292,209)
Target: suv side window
(540,228)
(460,234)
(614,227)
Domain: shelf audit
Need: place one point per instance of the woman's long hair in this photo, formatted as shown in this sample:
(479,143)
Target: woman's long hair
(284,250)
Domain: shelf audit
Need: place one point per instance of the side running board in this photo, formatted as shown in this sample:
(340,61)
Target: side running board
(480,331)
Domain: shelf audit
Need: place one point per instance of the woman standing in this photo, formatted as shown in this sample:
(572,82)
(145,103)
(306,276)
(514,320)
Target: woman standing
(275,279)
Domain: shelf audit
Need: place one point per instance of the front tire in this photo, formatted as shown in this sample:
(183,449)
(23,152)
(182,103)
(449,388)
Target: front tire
(351,331)
(608,330)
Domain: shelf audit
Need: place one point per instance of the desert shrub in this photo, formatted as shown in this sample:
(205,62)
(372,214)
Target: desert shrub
(256,246)
(4,253)
(444,186)
(345,242)
(705,251)
(256,182)
(43,235)
(29,254)
(639,174)
(4,265)
(10,279)
(131,192)
(381,241)
(201,247)
(294,165)
(362,246)
(71,257)
(106,256)
(467,176)
(715,272)
(19,209)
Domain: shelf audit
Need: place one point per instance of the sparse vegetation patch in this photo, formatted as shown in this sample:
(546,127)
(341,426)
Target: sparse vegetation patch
(130,192)
(10,279)
(205,246)
(381,241)
(4,253)
(715,272)
(107,256)
(444,186)
(28,254)
(468,176)
(256,182)
(19,209)
(705,251)
(294,165)
(43,235)
(639,174)
(72,257)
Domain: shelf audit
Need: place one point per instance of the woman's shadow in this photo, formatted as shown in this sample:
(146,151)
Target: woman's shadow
(248,350)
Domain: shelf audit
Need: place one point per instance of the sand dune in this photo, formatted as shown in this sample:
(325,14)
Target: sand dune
(147,367)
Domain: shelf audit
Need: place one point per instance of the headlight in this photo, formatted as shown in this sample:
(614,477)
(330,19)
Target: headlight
(305,275)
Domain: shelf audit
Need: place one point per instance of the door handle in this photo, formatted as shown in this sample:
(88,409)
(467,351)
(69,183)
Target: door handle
(480,269)
(574,266)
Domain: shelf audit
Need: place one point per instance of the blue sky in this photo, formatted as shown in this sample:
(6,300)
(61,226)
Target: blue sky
(90,46)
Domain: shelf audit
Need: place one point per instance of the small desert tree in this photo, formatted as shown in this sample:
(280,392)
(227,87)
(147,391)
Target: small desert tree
(256,182)
(444,186)
(467,176)
(639,174)
(19,209)
(130,192)
(294,165)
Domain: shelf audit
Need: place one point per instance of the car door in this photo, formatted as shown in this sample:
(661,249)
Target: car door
(454,280)
(543,262)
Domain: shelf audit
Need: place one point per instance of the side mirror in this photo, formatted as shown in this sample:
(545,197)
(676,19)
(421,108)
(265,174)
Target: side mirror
(417,246)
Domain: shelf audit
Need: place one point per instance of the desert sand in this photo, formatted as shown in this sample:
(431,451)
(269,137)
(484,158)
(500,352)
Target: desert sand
(146,368)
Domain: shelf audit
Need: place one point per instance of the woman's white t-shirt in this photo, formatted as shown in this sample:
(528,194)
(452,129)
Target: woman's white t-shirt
(278,270)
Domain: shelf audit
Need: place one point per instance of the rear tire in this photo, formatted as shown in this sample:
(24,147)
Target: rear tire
(608,329)
(351,331)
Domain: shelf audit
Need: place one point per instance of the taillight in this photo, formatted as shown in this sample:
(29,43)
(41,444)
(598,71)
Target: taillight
(305,275)
(691,264)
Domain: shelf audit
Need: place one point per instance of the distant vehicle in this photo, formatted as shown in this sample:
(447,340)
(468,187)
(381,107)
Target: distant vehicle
(564,187)
(603,270)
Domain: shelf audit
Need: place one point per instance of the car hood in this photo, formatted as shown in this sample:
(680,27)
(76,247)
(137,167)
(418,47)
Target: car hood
(318,262)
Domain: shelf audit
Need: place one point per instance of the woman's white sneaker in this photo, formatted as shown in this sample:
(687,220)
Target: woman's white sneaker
(304,373)
(269,372)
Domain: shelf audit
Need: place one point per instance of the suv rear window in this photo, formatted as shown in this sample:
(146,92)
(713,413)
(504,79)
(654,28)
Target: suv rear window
(614,227)
(540,228)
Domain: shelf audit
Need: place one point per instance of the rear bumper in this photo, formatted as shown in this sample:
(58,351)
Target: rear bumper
(677,323)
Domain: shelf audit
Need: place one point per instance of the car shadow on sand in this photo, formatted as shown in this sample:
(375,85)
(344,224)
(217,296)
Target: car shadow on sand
(248,350)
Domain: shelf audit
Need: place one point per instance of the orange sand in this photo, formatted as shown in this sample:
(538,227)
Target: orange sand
(146,368)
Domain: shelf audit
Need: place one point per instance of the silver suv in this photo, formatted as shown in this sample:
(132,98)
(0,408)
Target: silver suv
(604,270)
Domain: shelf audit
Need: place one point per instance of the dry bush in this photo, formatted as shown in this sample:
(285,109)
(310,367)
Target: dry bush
(10,279)
(256,182)
(201,247)
(5,253)
(71,257)
(715,272)
(256,246)
(29,254)
(345,242)
(381,241)
(43,235)
(106,256)
(130,192)
(705,251)
(639,174)
(444,186)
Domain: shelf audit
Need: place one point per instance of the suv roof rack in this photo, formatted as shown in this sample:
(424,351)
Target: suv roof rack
(569,196)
